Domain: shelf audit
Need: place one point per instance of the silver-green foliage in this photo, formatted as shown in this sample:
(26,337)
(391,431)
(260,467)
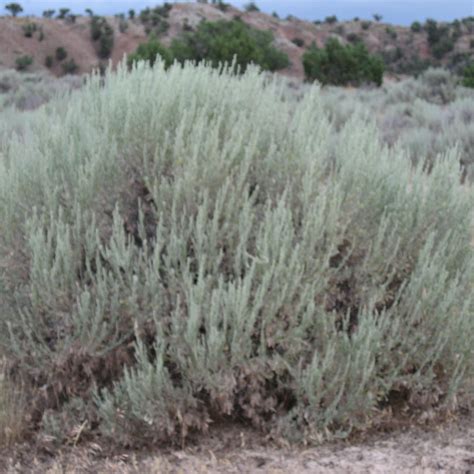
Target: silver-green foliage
(178,246)
(426,116)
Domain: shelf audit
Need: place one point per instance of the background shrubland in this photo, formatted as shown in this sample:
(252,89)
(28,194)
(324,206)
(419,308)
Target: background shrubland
(426,116)
(173,255)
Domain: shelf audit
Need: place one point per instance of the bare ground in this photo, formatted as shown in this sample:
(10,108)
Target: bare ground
(448,448)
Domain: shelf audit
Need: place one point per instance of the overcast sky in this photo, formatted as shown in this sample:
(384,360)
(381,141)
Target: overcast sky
(393,11)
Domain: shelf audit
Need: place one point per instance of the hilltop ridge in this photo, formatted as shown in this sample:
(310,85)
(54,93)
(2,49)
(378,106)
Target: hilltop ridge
(405,50)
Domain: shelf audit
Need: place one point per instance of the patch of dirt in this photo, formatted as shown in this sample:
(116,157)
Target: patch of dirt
(448,448)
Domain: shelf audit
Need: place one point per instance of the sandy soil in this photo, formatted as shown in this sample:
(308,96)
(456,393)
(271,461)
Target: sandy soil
(447,449)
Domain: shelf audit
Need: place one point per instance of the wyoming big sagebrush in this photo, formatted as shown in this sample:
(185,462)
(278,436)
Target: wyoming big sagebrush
(182,246)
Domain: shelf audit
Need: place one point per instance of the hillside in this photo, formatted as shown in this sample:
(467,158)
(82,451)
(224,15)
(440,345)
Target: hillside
(404,50)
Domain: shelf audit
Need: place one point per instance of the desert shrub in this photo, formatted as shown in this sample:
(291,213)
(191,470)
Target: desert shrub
(49,13)
(61,53)
(14,8)
(150,51)
(221,5)
(365,25)
(342,65)
(416,27)
(28,91)
(298,42)
(353,38)
(437,86)
(29,29)
(251,7)
(468,76)
(187,255)
(223,41)
(69,66)
(103,35)
(49,61)
(123,25)
(442,47)
(331,19)
(439,38)
(23,62)
(425,116)
(63,12)
(391,32)
(155,19)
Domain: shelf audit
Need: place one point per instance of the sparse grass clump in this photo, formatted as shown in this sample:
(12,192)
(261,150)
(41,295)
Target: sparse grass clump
(201,248)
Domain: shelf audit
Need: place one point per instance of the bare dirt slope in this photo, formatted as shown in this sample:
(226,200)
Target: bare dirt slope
(75,37)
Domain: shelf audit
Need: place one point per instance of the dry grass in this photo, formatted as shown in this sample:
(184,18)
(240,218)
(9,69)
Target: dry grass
(12,411)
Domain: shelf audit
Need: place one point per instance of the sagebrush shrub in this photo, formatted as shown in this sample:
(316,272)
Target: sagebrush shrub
(201,248)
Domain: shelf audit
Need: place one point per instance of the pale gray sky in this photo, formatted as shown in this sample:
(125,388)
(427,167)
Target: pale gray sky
(393,11)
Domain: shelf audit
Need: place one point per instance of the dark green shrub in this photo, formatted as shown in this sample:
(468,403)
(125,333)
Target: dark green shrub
(29,29)
(155,19)
(49,61)
(342,65)
(365,25)
(298,42)
(70,67)
(391,32)
(61,53)
(468,76)
(471,43)
(103,34)
(377,17)
(49,13)
(442,47)
(416,27)
(221,41)
(331,19)
(251,7)
(23,62)
(63,12)
(353,38)
(14,8)
(149,52)
(221,5)
(131,14)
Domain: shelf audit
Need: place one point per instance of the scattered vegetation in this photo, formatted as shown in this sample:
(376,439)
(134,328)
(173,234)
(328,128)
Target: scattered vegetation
(468,76)
(298,42)
(218,43)
(416,27)
(150,51)
(23,62)
(14,8)
(29,29)
(103,35)
(49,13)
(439,38)
(155,19)
(337,64)
(69,66)
(61,53)
(251,7)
